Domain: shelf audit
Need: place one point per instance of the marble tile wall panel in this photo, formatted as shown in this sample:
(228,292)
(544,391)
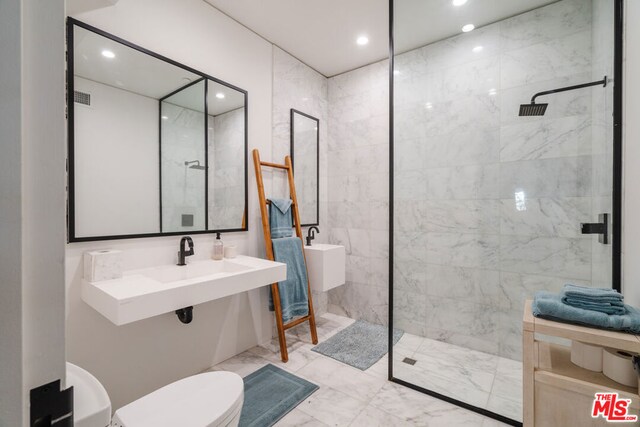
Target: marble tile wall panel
(358,189)
(295,85)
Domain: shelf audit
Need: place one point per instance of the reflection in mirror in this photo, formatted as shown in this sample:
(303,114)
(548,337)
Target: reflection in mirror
(182,155)
(226,128)
(150,153)
(305,151)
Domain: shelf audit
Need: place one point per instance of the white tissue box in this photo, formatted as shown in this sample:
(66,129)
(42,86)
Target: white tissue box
(102,265)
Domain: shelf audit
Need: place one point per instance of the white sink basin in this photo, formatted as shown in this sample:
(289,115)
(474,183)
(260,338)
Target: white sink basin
(326,266)
(149,292)
(91,403)
(175,273)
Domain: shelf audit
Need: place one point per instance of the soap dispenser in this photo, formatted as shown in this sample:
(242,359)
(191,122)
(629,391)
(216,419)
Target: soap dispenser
(218,248)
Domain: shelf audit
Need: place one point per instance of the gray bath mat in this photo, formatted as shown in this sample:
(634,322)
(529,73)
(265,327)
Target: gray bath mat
(359,345)
(269,394)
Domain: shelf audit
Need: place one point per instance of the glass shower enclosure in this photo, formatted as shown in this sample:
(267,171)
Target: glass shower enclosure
(489,190)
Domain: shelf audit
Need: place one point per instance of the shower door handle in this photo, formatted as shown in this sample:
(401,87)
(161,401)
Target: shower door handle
(601,228)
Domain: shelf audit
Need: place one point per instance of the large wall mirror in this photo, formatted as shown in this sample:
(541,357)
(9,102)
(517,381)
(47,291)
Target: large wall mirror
(155,147)
(305,155)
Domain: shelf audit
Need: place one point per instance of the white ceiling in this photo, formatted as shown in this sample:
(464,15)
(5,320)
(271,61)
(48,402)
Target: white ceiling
(323,34)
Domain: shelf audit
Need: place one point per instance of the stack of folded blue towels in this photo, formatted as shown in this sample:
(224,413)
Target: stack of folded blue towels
(597,307)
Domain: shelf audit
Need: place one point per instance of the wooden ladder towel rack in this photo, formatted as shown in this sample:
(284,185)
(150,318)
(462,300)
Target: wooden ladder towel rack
(266,228)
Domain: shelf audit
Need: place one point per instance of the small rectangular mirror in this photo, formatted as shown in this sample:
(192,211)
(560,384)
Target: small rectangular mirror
(305,156)
(155,147)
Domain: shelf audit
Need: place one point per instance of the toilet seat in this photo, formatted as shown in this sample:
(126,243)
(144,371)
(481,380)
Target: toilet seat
(203,400)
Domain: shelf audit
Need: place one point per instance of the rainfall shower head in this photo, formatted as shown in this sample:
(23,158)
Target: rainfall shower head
(195,164)
(534,109)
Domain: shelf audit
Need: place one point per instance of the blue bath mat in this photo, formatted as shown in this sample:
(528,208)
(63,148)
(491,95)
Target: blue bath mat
(269,394)
(360,345)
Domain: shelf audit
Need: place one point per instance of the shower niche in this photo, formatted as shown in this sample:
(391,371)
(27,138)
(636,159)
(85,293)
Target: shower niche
(155,147)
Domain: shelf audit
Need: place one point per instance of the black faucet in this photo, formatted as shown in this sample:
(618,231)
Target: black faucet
(311,235)
(183,253)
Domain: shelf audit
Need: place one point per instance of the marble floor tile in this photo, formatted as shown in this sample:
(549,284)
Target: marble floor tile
(337,375)
(350,397)
(298,358)
(374,417)
(297,418)
(332,407)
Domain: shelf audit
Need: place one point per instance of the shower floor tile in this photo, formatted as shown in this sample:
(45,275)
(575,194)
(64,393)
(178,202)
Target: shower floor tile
(477,378)
(351,397)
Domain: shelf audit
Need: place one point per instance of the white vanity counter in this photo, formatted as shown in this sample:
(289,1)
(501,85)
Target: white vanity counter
(144,293)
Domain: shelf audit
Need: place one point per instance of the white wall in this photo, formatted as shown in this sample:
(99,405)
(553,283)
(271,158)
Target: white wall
(32,211)
(631,167)
(116,162)
(134,359)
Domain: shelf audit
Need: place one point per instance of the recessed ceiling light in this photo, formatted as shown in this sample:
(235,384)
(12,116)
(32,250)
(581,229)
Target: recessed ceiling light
(458,2)
(396,72)
(477,49)
(468,27)
(492,92)
(165,118)
(108,54)
(362,40)
(428,105)
(220,95)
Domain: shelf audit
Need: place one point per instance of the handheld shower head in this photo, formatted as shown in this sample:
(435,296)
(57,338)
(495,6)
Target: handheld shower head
(195,164)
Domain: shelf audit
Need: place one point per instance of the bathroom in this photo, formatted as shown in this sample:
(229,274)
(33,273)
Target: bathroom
(450,207)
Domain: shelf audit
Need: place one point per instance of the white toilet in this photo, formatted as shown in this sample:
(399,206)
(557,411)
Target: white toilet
(203,400)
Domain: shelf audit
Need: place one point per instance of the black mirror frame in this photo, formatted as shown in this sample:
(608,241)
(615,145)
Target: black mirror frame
(71,232)
(293,112)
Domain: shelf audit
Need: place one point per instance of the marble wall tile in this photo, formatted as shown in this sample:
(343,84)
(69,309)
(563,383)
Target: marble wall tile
(461,182)
(463,250)
(379,213)
(409,312)
(519,287)
(361,301)
(410,246)
(552,256)
(410,215)
(547,138)
(474,285)
(463,216)
(559,177)
(410,276)
(545,24)
(556,58)
(558,217)
(461,147)
(349,214)
(463,323)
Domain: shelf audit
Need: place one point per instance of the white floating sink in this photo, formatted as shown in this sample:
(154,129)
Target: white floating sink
(91,403)
(326,266)
(149,292)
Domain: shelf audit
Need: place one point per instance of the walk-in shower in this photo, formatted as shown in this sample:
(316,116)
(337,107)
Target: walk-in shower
(488,196)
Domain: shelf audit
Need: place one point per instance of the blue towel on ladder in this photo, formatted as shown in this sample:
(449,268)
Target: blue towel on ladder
(294,298)
(280,218)
(550,306)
